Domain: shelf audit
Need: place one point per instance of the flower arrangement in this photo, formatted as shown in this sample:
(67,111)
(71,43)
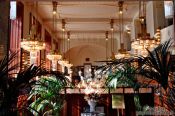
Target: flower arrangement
(92,96)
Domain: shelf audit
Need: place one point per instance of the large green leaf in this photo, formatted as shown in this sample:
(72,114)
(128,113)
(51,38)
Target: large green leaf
(46,91)
(157,65)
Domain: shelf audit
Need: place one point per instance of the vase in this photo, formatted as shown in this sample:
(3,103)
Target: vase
(92,103)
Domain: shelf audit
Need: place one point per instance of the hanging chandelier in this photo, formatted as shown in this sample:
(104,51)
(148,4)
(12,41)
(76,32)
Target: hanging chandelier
(144,42)
(68,64)
(54,56)
(122,53)
(63,62)
(32,43)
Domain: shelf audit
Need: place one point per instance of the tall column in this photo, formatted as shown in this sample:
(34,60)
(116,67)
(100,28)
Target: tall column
(4,27)
(155,16)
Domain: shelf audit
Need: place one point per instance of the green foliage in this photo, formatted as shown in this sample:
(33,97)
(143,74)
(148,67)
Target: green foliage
(14,85)
(5,83)
(5,68)
(157,65)
(46,95)
(10,86)
(123,76)
(137,102)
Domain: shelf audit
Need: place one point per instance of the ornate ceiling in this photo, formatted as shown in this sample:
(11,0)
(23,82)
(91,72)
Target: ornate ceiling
(86,19)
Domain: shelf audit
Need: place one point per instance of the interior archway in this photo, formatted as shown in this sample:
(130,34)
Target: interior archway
(79,54)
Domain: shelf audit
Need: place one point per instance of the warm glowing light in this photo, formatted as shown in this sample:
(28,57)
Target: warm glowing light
(54,57)
(54,7)
(112,29)
(69,65)
(122,55)
(64,63)
(121,12)
(142,19)
(32,45)
(128,31)
(89,90)
(54,12)
(140,45)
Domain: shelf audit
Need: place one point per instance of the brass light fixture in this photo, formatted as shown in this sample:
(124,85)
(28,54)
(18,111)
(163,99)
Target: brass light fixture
(54,56)
(144,41)
(112,38)
(142,11)
(63,25)
(120,5)
(54,7)
(122,53)
(106,34)
(68,65)
(64,63)
(33,42)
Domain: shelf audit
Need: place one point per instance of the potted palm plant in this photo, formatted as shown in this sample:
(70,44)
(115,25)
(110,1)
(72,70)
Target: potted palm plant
(11,86)
(157,67)
(124,75)
(46,95)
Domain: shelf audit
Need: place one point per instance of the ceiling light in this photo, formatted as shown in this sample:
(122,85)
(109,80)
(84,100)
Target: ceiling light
(68,35)
(112,24)
(142,19)
(33,42)
(54,57)
(128,31)
(122,53)
(63,29)
(112,29)
(121,10)
(120,4)
(106,35)
(144,42)
(54,7)
(32,45)
(54,12)
(142,12)
(63,25)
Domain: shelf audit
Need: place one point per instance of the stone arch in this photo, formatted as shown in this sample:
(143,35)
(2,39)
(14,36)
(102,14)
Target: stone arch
(78,54)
